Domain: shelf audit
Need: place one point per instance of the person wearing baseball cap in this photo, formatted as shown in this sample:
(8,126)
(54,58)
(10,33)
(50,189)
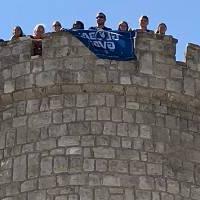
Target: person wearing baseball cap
(101,19)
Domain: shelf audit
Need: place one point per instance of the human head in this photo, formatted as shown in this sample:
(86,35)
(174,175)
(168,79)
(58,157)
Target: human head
(17,32)
(39,31)
(162,28)
(143,22)
(56,26)
(123,26)
(101,19)
(78,25)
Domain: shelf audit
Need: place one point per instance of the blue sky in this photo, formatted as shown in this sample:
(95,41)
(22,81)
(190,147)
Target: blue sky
(180,16)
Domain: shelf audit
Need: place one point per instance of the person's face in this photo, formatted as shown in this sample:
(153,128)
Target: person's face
(100,20)
(56,27)
(40,31)
(17,32)
(77,26)
(162,29)
(143,23)
(123,27)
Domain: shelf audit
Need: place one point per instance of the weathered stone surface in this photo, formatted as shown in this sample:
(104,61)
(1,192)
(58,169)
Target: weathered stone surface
(76,127)
(19,168)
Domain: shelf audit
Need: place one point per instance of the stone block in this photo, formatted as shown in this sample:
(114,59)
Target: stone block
(126,154)
(19,168)
(74,151)
(5,176)
(84,77)
(87,140)
(9,86)
(154,169)
(46,144)
(32,106)
(103,152)
(37,195)
(33,165)
(88,165)
(189,86)
(109,128)
(29,185)
(91,113)
(86,193)
(101,193)
(146,183)
(47,182)
(101,165)
(67,141)
(78,179)
(137,168)
(79,128)
(116,114)
(69,115)
(118,166)
(81,100)
(58,130)
(145,131)
(111,181)
(46,78)
(146,63)
(60,164)
(46,166)
(20,69)
(172,186)
(174,85)
(39,120)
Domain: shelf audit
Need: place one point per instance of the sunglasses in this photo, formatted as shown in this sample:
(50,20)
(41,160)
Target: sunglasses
(101,17)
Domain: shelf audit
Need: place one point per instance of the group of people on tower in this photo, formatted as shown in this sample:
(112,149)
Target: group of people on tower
(39,30)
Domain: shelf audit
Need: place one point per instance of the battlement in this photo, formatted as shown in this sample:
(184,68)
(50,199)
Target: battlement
(67,63)
(76,127)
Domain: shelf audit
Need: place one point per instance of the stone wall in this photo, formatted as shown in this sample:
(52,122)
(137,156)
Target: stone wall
(74,127)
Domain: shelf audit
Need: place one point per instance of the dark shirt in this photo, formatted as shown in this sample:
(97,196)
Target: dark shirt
(36,46)
(14,37)
(97,28)
(146,31)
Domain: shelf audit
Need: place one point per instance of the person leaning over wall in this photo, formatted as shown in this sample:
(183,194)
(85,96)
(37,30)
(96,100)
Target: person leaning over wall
(56,26)
(101,19)
(161,29)
(17,33)
(143,23)
(77,25)
(38,35)
(123,26)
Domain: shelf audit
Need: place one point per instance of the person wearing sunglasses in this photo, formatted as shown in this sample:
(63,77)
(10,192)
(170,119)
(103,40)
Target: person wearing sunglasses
(101,19)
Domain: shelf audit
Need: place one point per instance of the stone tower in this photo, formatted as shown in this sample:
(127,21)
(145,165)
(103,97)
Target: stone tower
(74,127)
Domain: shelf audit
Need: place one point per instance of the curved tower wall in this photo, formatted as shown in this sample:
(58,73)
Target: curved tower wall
(74,127)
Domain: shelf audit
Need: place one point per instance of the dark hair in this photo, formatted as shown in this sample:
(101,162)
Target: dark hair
(145,17)
(161,24)
(18,27)
(78,25)
(101,14)
(122,22)
(56,23)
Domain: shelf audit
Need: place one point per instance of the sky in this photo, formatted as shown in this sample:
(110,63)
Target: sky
(181,17)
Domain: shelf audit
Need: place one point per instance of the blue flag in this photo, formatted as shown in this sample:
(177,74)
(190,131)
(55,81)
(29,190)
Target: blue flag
(113,45)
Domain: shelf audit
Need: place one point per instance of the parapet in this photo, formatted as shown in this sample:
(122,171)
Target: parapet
(66,62)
